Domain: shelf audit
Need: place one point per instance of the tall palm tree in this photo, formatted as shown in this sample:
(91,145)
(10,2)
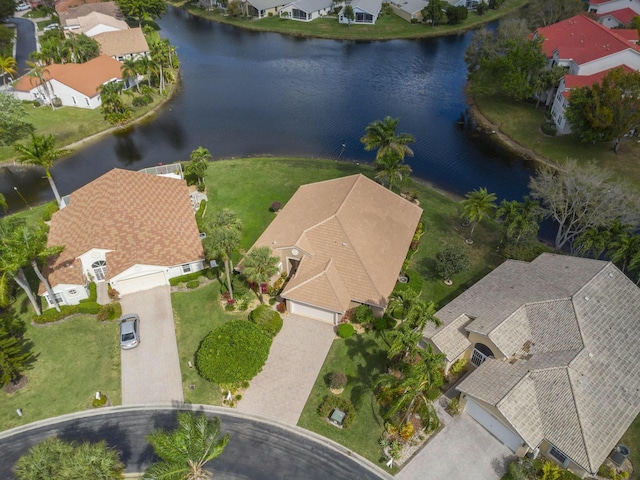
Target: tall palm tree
(381,134)
(184,452)
(41,151)
(593,241)
(478,205)
(199,163)
(520,219)
(391,169)
(8,66)
(624,248)
(400,302)
(259,266)
(130,70)
(42,74)
(223,238)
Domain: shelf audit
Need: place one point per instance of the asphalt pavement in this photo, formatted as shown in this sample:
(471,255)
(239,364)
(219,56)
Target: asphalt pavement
(26,42)
(258,449)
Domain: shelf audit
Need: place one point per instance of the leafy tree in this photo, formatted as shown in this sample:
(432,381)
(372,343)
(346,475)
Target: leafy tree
(8,67)
(233,353)
(130,71)
(200,158)
(478,205)
(381,135)
(234,8)
(486,45)
(223,237)
(141,9)
(623,248)
(114,110)
(520,219)
(41,151)
(15,350)
(541,13)
(456,15)
(592,242)
(391,169)
(55,458)
(579,198)
(451,260)
(7,8)
(184,452)
(13,121)
(349,14)
(482,8)
(608,110)
(545,80)
(259,266)
(434,12)
(6,41)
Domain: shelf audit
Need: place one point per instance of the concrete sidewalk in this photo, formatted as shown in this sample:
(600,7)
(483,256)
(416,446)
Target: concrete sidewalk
(151,371)
(281,390)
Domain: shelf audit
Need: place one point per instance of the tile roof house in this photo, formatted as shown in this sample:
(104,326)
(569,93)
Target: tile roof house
(262,8)
(306,10)
(95,23)
(555,343)
(123,44)
(342,242)
(74,84)
(365,12)
(69,18)
(615,13)
(131,229)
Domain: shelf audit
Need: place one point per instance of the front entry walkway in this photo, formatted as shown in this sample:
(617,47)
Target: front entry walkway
(151,371)
(281,390)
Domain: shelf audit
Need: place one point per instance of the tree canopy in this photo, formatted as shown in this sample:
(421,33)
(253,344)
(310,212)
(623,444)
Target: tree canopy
(139,9)
(7,7)
(541,13)
(13,121)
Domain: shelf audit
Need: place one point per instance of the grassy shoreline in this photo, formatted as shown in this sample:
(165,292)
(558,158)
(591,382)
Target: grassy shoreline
(387,27)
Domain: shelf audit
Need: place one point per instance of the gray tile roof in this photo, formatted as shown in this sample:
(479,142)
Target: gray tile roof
(370,6)
(577,381)
(310,6)
(411,6)
(267,4)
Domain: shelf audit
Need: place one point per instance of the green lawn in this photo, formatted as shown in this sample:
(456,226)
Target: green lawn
(37,13)
(74,359)
(631,439)
(388,26)
(361,358)
(521,121)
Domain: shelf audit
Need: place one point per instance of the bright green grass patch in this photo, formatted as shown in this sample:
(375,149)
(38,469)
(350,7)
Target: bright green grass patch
(37,13)
(196,313)
(631,439)
(521,121)
(75,358)
(361,358)
(388,26)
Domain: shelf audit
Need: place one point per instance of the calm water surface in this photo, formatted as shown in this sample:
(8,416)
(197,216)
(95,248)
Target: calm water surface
(249,93)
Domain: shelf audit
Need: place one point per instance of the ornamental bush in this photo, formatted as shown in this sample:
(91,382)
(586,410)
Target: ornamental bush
(451,260)
(110,311)
(345,330)
(362,314)
(233,353)
(269,321)
(331,402)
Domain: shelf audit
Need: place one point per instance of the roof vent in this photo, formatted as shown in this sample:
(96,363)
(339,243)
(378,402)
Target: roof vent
(586,298)
(344,244)
(590,355)
(611,274)
(274,242)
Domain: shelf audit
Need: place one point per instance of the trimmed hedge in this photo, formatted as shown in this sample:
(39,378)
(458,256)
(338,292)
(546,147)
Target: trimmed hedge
(193,284)
(233,353)
(345,330)
(331,402)
(93,294)
(269,321)
(185,278)
(90,308)
(52,315)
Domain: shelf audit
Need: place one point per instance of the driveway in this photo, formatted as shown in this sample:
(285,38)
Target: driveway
(462,449)
(281,390)
(151,371)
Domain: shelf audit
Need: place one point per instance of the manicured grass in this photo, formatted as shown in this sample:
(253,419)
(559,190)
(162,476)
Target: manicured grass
(37,13)
(43,23)
(388,26)
(361,358)
(196,313)
(521,121)
(631,439)
(74,359)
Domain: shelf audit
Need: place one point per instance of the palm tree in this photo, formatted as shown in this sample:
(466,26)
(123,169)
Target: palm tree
(624,248)
(381,134)
(159,55)
(223,237)
(41,151)
(259,266)
(420,314)
(199,163)
(592,241)
(130,70)
(113,107)
(479,204)
(184,452)
(520,219)
(8,66)
(392,169)
(402,300)
(42,74)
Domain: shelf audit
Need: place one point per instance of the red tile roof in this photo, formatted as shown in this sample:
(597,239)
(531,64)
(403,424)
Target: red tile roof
(140,218)
(581,39)
(578,81)
(624,16)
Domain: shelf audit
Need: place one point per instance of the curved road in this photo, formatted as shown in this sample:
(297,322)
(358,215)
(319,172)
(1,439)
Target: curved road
(257,449)
(26,41)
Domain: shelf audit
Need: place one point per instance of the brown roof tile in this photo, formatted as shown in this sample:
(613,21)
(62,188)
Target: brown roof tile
(122,42)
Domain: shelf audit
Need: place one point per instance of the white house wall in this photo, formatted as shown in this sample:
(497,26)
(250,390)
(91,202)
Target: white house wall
(629,57)
(615,5)
(89,258)
(71,294)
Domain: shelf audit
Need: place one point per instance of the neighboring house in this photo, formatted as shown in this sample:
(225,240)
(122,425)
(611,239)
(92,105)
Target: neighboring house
(561,100)
(69,19)
(409,9)
(94,24)
(62,6)
(262,8)
(555,343)
(615,13)
(307,10)
(342,242)
(74,84)
(123,44)
(365,12)
(130,229)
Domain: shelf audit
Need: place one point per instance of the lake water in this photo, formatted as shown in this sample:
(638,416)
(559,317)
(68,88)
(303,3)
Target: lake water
(248,93)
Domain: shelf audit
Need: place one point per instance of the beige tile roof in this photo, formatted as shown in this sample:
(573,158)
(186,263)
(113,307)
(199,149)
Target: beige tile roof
(70,16)
(94,19)
(141,218)
(581,363)
(363,228)
(453,340)
(122,42)
(82,77)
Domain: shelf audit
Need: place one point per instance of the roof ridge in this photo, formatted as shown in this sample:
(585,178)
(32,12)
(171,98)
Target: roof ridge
(584,440)
(313,277)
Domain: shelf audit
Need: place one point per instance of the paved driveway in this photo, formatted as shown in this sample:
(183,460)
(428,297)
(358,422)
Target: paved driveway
(281,390)
(151,371)
(462,449)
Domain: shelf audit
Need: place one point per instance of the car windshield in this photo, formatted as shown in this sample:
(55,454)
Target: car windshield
(127,336)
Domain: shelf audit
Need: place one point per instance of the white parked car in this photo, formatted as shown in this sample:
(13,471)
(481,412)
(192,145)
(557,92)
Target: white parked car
(21,7)
(51,26)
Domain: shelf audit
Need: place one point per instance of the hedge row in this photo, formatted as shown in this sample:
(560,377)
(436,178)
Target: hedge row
(111,311)
(331,402)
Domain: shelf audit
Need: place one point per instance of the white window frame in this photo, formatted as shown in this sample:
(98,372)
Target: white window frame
(58,297)
(186,268)
(558,455)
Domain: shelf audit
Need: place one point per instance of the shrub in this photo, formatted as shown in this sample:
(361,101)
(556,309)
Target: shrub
(99,402)
(52,315)
(345,330)
(111,311)
(93,294)
(142,100)
(184,278)
(193,284)
(525,251)
(379,324)
(337,380)
(282,307)
(331,402)
(90,308)
(275,206)
(239,285)
(112,292)
(49,210)
(233,353)
(458,366)
(549,129)
(362,314)
(406,431)
(269,321)
(451,260)
(454,406)
(272,301)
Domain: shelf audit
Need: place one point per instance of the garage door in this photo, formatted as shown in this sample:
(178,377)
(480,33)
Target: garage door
(143,282)
(493,425)
(312,312)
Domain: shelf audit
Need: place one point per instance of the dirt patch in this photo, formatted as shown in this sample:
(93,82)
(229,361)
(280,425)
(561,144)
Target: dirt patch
(13,387)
